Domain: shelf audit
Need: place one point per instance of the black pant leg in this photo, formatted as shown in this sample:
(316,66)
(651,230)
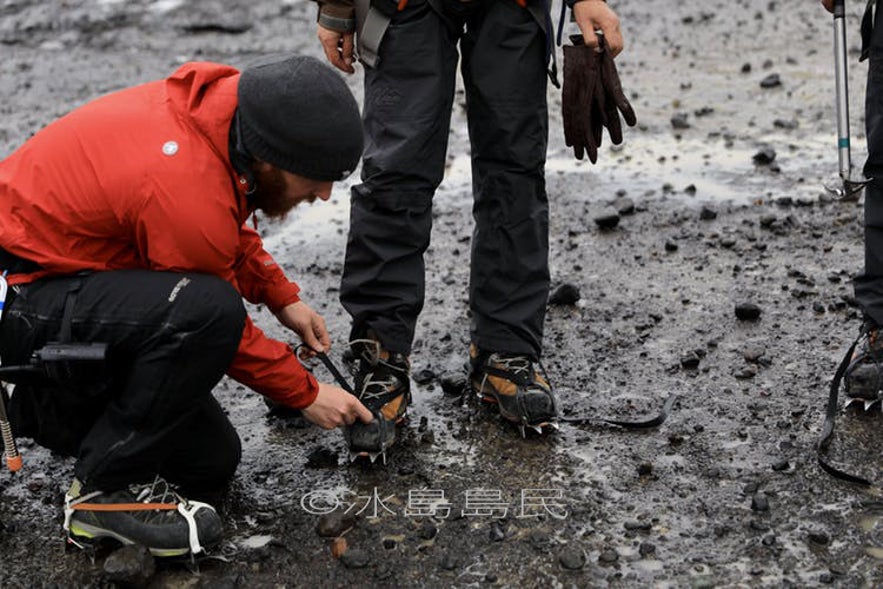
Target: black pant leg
(504,71)
(407,114)
(869,285)
(170,338)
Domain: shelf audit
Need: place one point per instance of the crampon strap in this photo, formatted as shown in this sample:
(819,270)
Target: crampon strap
(647,424)
(341,380)
(830,416)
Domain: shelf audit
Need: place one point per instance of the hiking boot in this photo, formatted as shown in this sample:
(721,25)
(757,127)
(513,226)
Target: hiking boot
(513,383)
(863,380)
(383,385)
(151,514)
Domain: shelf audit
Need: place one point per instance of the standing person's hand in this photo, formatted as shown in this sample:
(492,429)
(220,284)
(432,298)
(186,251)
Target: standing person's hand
(308,324)
(828,4)
(592,15)
(338,47)
(334,407)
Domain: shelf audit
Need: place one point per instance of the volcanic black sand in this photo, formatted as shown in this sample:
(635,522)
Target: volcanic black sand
(718,202)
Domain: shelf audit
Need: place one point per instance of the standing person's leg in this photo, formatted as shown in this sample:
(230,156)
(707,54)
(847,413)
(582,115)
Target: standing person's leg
(869,286)
(864,377)
(170,339)
(407,112)
(504,70)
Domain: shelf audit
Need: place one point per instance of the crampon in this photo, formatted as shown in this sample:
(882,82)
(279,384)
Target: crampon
(382,384)
(511,381)
(863,379)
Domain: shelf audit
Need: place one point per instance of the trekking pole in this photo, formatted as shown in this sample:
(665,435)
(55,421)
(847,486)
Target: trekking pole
(13,457)
(850,186)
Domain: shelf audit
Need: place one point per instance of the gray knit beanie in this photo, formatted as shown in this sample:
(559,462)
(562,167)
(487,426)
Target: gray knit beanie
(297,114)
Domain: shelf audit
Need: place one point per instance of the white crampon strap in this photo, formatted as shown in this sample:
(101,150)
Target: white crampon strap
(188,510)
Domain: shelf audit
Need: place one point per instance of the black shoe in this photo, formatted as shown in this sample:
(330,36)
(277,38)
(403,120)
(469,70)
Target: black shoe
(522,394)
(863,381)
(152,515)
(383,385)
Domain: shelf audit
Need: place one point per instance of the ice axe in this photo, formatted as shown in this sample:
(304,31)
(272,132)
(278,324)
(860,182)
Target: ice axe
(851,185)
(54,361)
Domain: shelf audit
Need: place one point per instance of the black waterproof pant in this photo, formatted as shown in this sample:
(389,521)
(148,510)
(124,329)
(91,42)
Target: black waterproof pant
(869,286)
(170,339)
(407,115)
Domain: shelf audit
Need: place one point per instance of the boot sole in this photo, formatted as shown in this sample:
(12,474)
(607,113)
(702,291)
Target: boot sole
(89,532)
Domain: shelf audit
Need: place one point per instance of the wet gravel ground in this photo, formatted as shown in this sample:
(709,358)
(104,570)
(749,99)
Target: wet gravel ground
(715,213)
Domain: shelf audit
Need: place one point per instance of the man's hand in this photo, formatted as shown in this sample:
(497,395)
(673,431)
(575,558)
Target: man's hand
(592,15)
(308,324)
(338,48)
(829,5)
(334,407)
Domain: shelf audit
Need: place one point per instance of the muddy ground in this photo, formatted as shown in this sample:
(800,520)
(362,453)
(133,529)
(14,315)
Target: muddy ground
(725,493)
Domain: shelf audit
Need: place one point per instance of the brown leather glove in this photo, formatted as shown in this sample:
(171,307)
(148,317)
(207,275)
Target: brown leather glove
(582,99)
(592,98)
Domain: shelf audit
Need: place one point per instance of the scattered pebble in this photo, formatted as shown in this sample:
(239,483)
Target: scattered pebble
(572,559)
(747,311)
(355,558)
(566,294)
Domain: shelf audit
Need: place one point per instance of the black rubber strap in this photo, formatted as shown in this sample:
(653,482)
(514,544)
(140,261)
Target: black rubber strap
(830,416)
(647,424)
(337,374)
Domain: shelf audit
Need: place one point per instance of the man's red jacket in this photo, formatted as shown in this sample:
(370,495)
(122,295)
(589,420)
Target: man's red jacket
(142,178)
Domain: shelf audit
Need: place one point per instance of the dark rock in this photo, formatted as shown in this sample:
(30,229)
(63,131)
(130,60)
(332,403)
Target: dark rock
(690,361)
(355,558)
(746,373)
(424,377)
(647,549)
(428,530)
(786,124)
(331,525)
(453,383)
(608,556)
(780,465)
(624,205)
(322,457)
(566,294)
(747,312)
(771,81)
(670,246)
(130,566)
(607,219)
(638,526)
(819,538)
(760,503)
(707,213)
(645,468)
(389,543)
(491,578)
(765,156)
(746,68)
(572,559)
(679,121)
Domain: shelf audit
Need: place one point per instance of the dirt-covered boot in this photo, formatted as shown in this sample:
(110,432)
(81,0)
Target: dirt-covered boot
(512,381)
(383,385)
(863,381)
(151,514)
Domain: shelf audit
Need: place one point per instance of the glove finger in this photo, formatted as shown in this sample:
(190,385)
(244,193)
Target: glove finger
(578,151)
(614,126)
(613,87)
